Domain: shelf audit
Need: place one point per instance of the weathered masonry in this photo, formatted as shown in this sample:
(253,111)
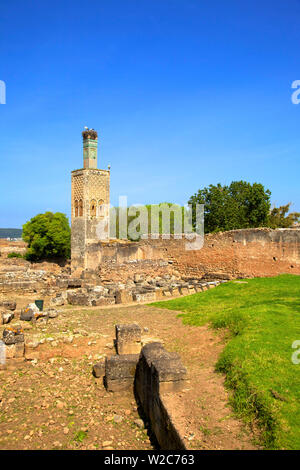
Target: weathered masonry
(90,202)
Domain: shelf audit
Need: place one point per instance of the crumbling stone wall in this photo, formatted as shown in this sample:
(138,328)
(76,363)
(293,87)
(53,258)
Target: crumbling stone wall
(151,373)
(240,253)
(7,246)
(237,253)
(19,275)
(159,371)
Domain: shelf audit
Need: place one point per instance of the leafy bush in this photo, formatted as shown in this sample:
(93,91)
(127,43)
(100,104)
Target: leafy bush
(48,236)
(13,254)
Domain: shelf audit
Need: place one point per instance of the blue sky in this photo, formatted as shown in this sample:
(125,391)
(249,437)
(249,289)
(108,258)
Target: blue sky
(183,93)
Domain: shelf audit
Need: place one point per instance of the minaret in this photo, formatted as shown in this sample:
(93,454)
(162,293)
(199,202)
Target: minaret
(90,206)
(90,147)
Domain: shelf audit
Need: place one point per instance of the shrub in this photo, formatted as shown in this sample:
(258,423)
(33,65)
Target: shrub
(48,236)
(13,254)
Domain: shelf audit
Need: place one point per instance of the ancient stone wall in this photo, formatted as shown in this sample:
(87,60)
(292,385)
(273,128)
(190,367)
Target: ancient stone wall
(153,374)
(158,372)
(238,253)
(19,275)
(7,246)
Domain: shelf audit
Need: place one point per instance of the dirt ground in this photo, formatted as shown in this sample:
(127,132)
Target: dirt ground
(54,402)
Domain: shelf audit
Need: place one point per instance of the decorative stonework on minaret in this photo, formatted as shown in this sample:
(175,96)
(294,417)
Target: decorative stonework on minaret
(90,202)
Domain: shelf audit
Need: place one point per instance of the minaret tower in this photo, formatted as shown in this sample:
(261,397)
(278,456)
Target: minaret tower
(90,203)
(90,147)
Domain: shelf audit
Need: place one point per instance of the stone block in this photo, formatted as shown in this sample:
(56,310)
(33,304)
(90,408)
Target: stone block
(123,297)
(167,293)
(118,385)
(27,314)
(175,291)
(13,335)
(144,296)
(78,298)
(52,313)
(59,300)
(120,371)
(41,317)
(99,369)
(183,290)
(121,367)
(128,339)
(166,366)
(107,300)
(9,304)
(6,316)
(159,372)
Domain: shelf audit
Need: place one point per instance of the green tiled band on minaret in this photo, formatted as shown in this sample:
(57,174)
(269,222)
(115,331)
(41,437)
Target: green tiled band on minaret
(90,146)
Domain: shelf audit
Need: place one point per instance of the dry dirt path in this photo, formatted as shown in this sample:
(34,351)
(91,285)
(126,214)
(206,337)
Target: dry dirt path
(56,403)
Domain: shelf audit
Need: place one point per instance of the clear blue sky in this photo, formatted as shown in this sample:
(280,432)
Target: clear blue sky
(183,93)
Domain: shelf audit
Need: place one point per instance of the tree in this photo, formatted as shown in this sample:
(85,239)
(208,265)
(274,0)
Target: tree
(48,236)
(168,217)
(240,205)
(279,217)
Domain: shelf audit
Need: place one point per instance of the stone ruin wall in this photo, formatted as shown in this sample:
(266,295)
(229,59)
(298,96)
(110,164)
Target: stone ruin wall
(238,253)
(7,246)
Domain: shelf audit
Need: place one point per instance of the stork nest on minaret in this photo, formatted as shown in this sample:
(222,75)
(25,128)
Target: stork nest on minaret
(90,134)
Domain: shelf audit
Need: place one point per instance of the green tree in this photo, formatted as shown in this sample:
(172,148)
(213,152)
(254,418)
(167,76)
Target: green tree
(176,218)
(239,205)
(280,218)
(48,236)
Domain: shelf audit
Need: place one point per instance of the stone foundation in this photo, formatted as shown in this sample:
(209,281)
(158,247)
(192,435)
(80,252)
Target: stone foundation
(150,374)
(159,372)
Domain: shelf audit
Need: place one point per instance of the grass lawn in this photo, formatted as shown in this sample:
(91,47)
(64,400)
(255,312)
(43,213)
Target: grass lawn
(263,318)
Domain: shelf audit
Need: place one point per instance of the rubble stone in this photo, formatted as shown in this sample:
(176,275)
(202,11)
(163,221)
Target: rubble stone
(9,304)
(6,316)
(99,369)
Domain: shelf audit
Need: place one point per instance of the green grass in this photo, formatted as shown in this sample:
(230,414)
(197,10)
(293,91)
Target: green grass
(263,318)
(80,436)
